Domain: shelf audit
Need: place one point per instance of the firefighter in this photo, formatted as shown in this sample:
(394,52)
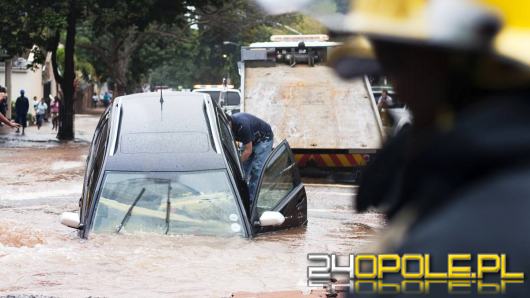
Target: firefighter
(458,181)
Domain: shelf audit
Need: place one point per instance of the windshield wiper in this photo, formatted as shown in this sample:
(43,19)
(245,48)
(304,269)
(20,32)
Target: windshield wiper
(168,206)
(128,214)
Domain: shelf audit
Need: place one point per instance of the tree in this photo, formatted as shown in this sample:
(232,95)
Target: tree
(24,24)
(36,26)
(129,40)
(204,57)
(67,79)
(116,30)
(175,44)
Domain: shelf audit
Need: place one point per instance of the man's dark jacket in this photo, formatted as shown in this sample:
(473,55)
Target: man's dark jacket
(468,187)
(22,106)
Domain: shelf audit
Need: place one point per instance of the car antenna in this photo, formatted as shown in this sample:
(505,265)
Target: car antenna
(161,103)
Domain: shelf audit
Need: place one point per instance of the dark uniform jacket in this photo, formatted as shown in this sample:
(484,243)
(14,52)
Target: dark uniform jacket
(465,190)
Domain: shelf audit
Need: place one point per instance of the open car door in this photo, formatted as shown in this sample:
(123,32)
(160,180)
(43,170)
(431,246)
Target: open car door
(280,189)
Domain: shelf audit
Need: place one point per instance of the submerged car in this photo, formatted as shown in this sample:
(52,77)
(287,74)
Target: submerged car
(168,164)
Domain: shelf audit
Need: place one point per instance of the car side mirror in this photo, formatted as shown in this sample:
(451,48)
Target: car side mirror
(71,220)
(271,218)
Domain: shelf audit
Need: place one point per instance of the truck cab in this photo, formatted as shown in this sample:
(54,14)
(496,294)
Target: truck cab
(226,96)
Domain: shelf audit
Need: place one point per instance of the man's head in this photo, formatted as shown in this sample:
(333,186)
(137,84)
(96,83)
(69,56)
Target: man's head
(22,92)
(384,93)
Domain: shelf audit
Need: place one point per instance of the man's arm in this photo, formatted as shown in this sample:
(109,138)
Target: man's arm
(9,123)
(247,152)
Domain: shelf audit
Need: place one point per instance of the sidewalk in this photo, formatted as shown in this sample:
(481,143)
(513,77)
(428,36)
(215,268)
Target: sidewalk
(84,124)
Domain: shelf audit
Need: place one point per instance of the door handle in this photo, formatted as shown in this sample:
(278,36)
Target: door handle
(300,201)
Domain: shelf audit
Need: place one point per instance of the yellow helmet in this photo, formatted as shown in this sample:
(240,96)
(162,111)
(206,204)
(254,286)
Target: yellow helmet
(502,25)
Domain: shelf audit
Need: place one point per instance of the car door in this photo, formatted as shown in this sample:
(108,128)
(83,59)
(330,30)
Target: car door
(92,166)
(232,157)
(280,189)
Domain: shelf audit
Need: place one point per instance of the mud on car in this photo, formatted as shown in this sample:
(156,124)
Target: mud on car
(168,164)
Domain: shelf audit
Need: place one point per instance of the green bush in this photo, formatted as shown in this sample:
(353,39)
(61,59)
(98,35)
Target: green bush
(31,119)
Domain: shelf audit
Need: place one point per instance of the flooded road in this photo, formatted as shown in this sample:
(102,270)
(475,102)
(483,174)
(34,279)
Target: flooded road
(39,256)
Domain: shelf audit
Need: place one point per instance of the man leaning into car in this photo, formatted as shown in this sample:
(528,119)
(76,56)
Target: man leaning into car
(256,136)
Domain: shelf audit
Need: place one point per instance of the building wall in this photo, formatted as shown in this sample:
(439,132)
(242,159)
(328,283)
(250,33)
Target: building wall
(28,80)
(31,81)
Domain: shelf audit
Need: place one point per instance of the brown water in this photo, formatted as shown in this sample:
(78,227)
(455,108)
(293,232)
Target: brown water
(39,256)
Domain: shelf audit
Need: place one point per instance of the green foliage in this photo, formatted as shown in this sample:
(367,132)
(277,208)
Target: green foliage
(25,23)
(303,24)
(85,69)
(133,42)
(204,58)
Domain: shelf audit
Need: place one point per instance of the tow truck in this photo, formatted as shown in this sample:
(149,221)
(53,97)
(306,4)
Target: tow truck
(331,124)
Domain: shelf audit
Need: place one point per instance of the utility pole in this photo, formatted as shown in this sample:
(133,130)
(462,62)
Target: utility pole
(9,69)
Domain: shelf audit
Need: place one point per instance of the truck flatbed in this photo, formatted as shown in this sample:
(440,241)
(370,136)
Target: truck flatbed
(312,108)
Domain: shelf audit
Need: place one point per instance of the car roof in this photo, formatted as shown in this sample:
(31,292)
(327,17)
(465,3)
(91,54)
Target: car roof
(176,133)
(216,90)
(293,44)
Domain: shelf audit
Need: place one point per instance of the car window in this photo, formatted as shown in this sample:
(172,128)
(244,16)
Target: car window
(200,203)
(227,139)
(95,139)
(97,156)
(278,179)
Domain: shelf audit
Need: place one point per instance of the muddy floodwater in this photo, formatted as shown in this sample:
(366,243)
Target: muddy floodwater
(39,256)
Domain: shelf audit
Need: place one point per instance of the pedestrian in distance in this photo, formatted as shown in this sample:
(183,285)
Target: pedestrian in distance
(106,99)
(21,111)
(35,103)
(385,101)
(257,138)
(48,101)
(55,108)
(95,99)
(383,104)
(40,112)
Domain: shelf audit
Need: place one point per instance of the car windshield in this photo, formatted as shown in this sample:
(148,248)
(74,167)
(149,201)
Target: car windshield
(199,203)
